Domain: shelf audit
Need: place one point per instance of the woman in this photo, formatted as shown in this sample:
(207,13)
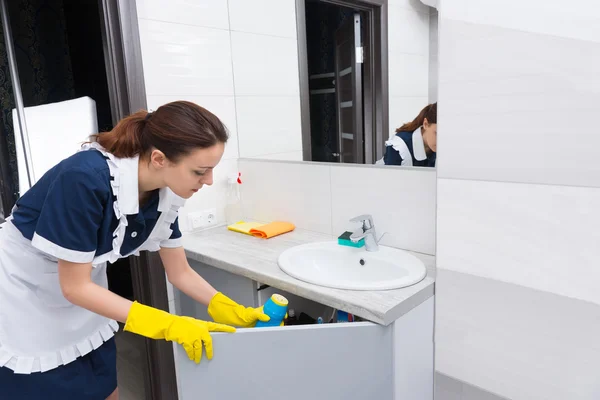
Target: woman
(117,196)
(415,143)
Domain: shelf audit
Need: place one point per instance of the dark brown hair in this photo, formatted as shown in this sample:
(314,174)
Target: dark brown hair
(429,112)
(175,128)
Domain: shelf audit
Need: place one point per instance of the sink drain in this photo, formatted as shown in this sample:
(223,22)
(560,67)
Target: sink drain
(362,261)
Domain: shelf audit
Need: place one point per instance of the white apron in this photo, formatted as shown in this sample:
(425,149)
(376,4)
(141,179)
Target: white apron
(39,329)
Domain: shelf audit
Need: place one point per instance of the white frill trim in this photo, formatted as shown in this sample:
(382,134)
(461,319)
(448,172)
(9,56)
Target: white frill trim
(119,233)
(159,235)
(43,363)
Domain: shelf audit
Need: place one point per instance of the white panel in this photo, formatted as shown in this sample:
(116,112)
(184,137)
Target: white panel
(408,31)
(68,123)
(408,74)
(578,19)
(294,192)
(516,342)
(320,362)
(222,106)
(516,107)
(210,196)
(185,60)
(267,17)
(206,13)
(265,65)
(401,201)
(413,353)
(268,125)
(543,237)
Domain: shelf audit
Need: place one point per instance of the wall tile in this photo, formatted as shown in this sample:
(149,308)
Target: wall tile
(516,342)
(185,60)
(265,65)
(206,13)
(401,201)
(408,31)
(269,125)
(578,19)
(294,192)
(543,237)
(515,107)
(267,17)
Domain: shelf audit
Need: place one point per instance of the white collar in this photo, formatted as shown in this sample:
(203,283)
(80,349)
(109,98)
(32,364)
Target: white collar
(129,195)
(418,145)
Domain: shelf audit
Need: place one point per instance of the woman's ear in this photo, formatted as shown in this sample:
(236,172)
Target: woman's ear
(158,159)
(425,123)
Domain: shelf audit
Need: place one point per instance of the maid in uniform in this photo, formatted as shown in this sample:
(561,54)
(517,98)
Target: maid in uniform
(415,143)
(118,196)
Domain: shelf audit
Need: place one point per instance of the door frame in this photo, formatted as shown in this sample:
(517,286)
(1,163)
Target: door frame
(375,75)
(127,91)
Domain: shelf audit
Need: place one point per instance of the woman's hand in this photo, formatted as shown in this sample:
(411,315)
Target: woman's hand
(189,332)
(226,311)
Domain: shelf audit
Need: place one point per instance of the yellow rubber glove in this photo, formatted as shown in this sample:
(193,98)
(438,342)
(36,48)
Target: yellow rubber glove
(189,332)
(226,311)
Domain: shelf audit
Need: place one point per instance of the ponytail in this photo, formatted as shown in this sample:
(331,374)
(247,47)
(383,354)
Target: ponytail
(176,129)
(123,141)
(429,112)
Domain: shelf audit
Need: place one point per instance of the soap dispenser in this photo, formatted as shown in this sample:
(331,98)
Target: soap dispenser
(233,206)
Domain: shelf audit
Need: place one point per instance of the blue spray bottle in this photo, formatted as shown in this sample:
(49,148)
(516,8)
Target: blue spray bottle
(276,308)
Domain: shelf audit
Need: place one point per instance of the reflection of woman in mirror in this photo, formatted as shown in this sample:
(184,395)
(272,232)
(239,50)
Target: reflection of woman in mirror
(415,143)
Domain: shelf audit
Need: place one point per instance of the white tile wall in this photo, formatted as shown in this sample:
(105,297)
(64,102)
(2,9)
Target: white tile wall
(323,198)
(577,19)
(414,5)
(516,107)
(516,342)
(408,30)
(291,156)
(185,60)
(294,192)
(222,106)
(267,17)
(207,13)
(265,65)
(401,201)
(269,125)
(539,236)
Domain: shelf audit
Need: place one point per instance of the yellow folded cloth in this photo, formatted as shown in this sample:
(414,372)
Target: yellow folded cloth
(273,229)
(244,227)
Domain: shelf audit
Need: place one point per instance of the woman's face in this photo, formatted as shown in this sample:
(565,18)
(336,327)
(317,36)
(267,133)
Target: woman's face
(193,171)
(430,135)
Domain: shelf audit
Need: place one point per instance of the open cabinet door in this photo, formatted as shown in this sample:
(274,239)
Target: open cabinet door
(348,77)
(322,361)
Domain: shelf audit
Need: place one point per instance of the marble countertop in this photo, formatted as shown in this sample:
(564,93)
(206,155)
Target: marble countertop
(256,259)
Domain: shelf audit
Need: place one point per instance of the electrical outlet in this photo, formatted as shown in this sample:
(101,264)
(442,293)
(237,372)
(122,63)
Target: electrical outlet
(210,216)
(196,220)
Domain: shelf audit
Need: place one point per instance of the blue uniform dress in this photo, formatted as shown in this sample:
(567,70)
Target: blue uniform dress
(408,149)
(84,210)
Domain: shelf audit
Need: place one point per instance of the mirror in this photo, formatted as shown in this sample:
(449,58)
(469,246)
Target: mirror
(368,83)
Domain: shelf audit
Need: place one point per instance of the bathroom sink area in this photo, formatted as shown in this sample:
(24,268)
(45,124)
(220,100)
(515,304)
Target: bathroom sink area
(331,265)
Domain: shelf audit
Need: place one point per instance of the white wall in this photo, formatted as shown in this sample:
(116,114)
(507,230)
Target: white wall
(518,313)
(322,198)
(408,60)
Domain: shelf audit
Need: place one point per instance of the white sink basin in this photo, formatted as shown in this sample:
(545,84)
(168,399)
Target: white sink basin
(331,265)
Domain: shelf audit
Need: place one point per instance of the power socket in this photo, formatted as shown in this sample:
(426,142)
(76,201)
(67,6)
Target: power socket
(210,217)
(196,220)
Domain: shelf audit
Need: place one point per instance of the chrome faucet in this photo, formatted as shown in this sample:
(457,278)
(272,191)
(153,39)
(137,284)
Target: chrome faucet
(367,232)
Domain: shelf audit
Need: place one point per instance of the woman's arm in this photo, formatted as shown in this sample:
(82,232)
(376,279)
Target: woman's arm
(183,277)
(77,287)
